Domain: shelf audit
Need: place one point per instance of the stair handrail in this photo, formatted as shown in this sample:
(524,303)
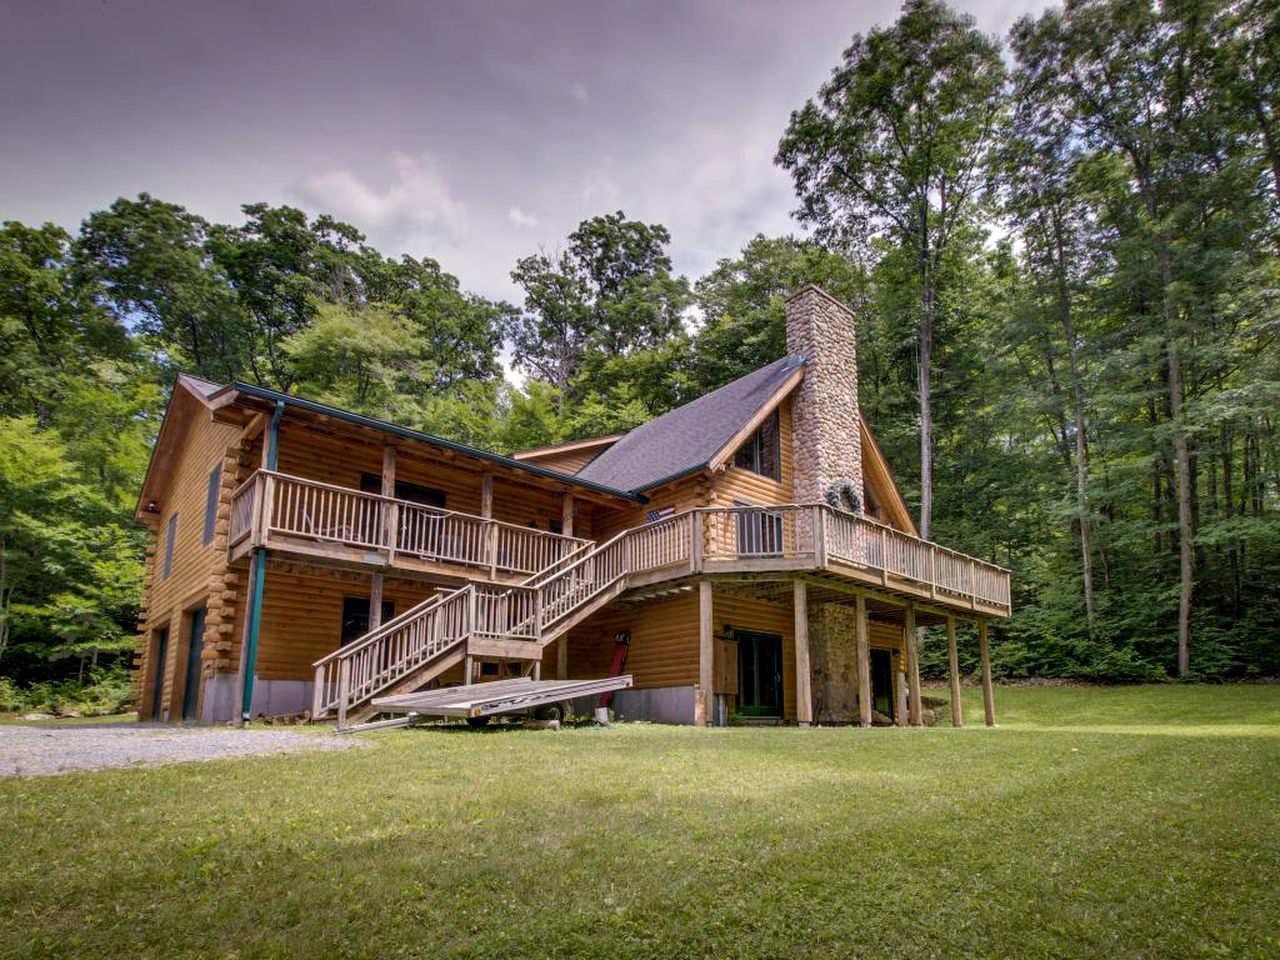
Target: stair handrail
(395,623)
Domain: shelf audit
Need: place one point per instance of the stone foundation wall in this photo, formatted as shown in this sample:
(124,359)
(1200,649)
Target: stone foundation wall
(833,663)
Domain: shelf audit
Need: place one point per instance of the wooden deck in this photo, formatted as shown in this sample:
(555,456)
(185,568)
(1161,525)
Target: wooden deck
(794,541)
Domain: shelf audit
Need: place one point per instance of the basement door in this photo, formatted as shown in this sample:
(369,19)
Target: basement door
(759,673)
(882,682)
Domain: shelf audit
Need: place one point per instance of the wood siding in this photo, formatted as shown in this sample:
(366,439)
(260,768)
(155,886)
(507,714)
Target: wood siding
(568,461)
(169,601)
(302,615)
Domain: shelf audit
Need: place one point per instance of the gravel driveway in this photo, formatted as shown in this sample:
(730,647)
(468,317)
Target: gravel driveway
(26,750)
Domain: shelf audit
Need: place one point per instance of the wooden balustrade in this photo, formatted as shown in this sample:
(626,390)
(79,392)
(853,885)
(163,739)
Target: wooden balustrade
(272,504)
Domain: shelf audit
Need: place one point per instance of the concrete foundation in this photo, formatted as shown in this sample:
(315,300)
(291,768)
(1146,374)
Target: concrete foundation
(272,697)
(659,705)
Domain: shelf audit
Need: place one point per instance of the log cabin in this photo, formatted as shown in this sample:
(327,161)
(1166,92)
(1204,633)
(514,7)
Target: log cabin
(750,552)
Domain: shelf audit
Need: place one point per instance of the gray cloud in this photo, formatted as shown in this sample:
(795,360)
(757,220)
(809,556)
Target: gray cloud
(475,133)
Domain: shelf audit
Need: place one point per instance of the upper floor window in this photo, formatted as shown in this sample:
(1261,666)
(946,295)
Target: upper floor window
(761,452)
(170,535)
(211,504)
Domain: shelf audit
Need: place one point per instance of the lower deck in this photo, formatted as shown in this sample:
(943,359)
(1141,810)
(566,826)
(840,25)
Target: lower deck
(712,648)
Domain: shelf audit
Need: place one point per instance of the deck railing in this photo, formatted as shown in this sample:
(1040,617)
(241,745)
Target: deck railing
(792,536)
(271,504)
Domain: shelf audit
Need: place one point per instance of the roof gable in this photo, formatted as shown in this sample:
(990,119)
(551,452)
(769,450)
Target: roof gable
(688,438)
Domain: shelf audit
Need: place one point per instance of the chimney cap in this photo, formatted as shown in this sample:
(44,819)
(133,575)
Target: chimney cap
(813,287)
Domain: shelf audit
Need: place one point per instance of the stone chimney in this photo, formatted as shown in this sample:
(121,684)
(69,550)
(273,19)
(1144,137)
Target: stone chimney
(826,436)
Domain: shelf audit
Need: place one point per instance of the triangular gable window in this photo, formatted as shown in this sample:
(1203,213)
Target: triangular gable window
(761,452)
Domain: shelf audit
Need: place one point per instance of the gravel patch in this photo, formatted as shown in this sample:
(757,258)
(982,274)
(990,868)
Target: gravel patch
(31,750)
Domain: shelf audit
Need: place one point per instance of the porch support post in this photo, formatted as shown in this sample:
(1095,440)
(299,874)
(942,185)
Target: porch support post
(864,661)
(988,691)
(916,717)
(562,657)
(257,578)
(567,510)
(491,531)
(375,601)
(467,670)
(953,669)
(804,697)
(392,516)
(706,656)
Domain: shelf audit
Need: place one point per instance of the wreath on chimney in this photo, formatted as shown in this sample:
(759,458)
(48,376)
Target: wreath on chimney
(843,495)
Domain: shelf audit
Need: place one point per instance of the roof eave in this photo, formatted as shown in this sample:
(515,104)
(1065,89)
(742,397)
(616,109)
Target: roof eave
(322,409)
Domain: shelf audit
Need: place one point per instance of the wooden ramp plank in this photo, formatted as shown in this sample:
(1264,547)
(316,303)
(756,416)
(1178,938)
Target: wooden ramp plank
(498,696)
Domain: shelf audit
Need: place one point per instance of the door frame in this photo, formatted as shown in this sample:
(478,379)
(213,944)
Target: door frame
(159,662)
(765,712)
(191,685)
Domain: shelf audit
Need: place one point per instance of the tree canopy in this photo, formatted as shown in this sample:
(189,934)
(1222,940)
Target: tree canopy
(1062,260)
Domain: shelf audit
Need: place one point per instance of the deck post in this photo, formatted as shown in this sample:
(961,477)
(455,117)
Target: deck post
(696,548)
(344,689)
(375,601)
(819,536)
(567,509)
(391,530)
(491,529)
(988,692)
(317,694)
(953,669)
(864,661)
(909,639)
(804,696)
(562,657)
(468,670)
(706,655)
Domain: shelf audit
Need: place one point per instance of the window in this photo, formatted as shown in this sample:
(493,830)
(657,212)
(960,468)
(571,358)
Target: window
(760,453)
(413,492)
(168,545)
(355,617)
(211,503)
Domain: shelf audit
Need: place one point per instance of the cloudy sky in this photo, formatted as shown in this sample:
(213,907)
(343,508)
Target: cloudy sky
(474,132)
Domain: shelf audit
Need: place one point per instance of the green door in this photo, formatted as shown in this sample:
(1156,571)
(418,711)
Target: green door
(191,689)
(759,673)
(157,680)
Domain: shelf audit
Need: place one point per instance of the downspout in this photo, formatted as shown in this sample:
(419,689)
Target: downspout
(258,574)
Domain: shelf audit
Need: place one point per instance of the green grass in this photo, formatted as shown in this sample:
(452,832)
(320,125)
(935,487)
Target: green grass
(1095,822)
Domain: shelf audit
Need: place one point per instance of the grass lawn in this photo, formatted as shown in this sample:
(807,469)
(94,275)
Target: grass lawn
(1095,822)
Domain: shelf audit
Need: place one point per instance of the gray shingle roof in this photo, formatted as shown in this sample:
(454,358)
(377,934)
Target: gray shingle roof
(686,438)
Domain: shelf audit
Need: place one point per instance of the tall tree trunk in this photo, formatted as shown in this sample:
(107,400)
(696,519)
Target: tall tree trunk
(927,294)
(1182,464)
(1228,510)
(1077,409)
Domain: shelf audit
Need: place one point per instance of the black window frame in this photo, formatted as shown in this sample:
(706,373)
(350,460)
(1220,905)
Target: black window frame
(761,453)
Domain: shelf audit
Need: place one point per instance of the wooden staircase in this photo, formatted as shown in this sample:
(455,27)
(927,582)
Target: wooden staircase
(490,619)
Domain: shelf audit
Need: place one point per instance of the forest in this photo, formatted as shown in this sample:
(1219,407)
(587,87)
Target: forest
(1062,248)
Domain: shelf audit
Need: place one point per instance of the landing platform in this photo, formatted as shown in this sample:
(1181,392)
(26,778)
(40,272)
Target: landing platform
(497,696)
